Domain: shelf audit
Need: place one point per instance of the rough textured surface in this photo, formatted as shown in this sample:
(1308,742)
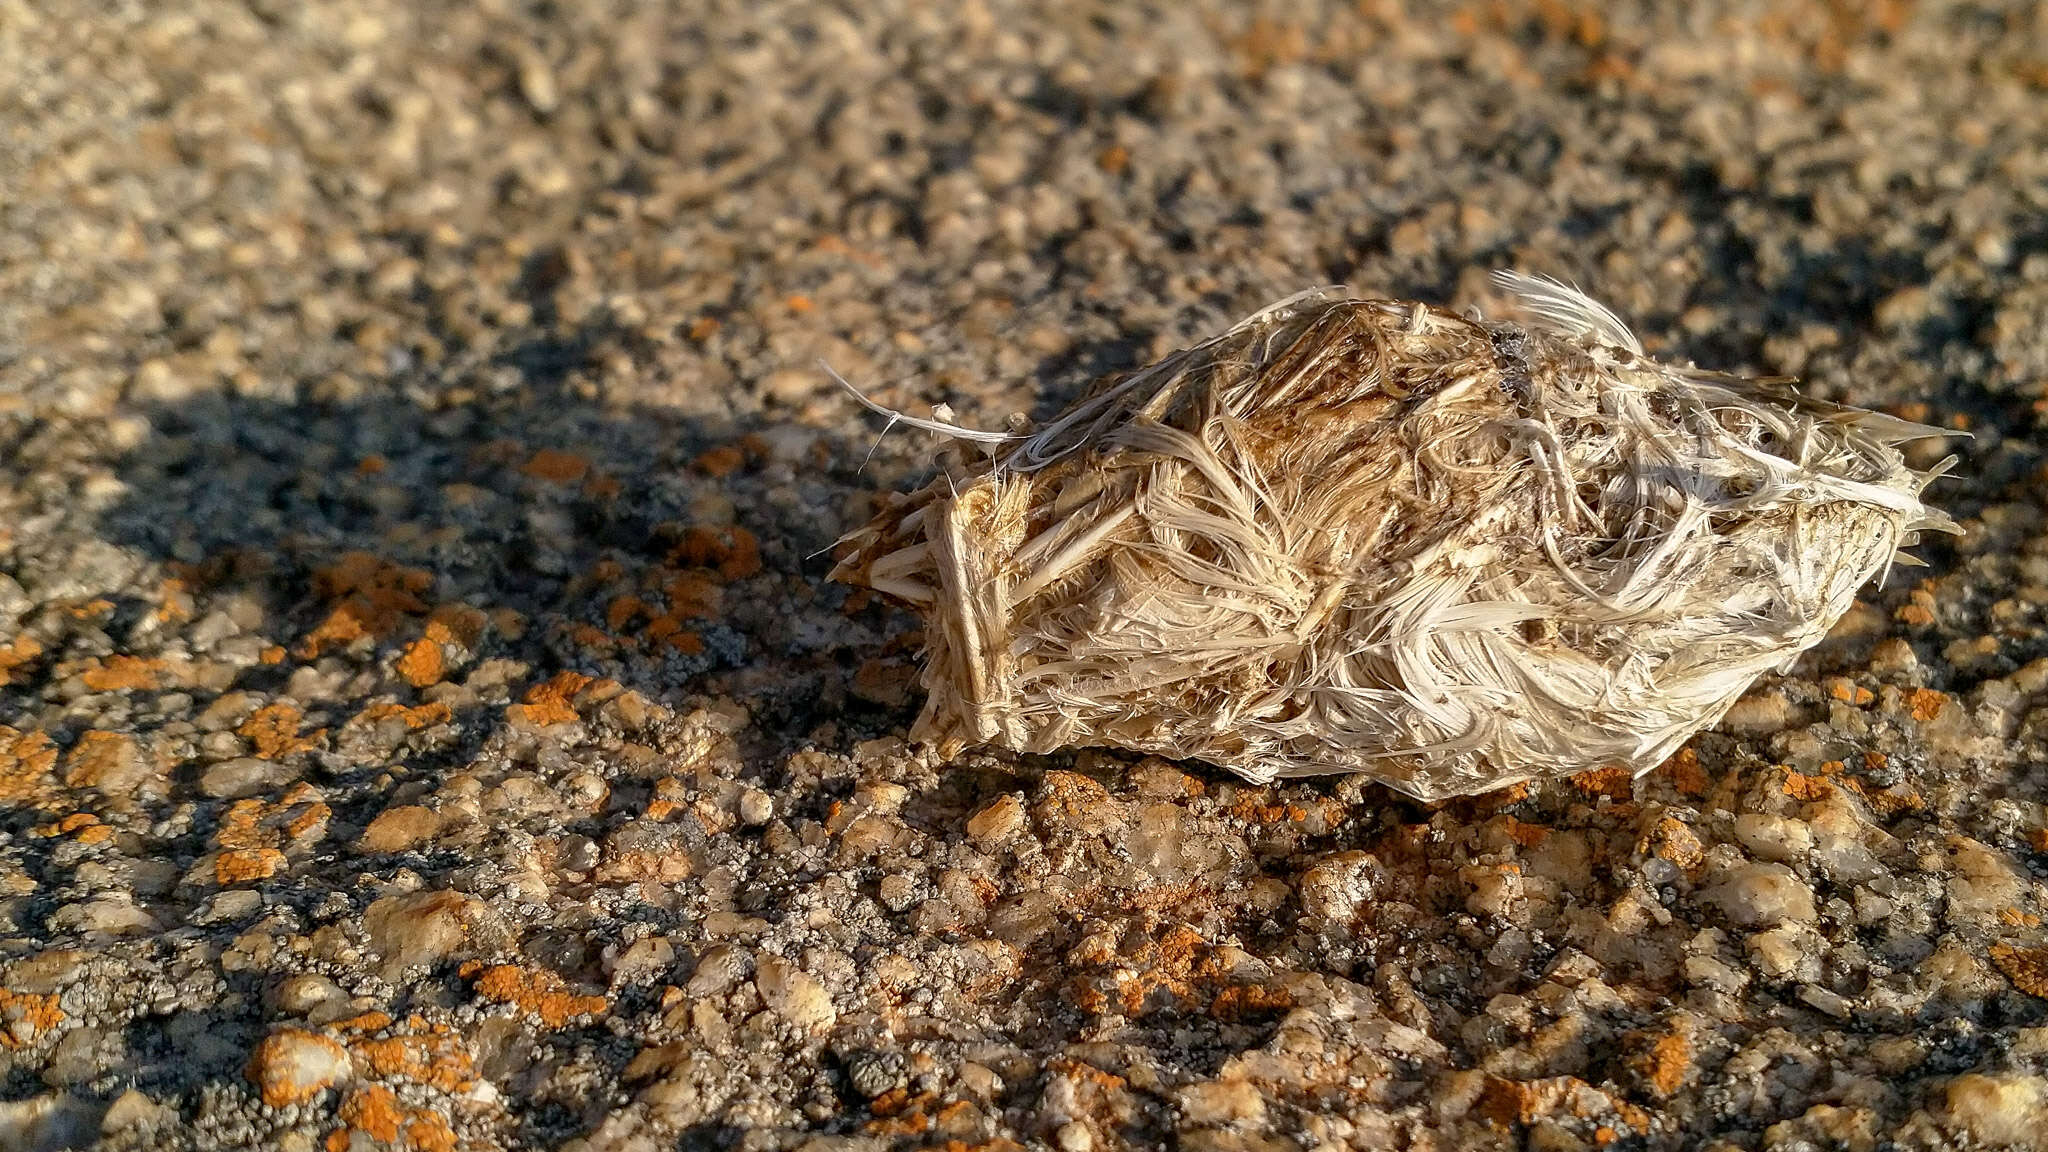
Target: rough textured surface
(425,725)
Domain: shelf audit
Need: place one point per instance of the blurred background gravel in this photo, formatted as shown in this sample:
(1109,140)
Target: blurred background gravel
(423,722)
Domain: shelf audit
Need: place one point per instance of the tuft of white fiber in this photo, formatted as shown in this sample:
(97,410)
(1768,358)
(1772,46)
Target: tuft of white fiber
(1375,536)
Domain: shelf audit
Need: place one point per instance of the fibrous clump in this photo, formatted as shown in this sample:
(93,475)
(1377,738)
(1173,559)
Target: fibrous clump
(1374,536)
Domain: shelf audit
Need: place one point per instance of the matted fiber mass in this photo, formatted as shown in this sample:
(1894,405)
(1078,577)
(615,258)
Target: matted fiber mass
(1376,536)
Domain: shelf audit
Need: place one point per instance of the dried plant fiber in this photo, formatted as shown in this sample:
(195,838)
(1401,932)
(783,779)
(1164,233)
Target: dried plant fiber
(1379,537)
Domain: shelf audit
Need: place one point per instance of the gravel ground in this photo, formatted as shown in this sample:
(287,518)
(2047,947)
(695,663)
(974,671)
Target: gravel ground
(424,722)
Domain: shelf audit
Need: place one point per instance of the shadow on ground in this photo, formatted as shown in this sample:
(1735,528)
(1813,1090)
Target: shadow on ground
(636,544)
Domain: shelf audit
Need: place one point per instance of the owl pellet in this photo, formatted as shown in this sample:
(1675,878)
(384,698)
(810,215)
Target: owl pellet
(1375,536)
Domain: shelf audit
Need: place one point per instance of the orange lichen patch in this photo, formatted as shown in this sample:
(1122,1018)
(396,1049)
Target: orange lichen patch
(421,664)
(1249,807)
(1667,1061)
(548,703)
(372,1110)
(623,610)
(292,1065)
(2017,918)
(660,628)
(1801,786)
(96,756)
(123,674)
(1506,1103)
(373,597)
(409,1057)
(534,991)
(670,797)
(456,623)
(272,655)
(174,600)
(273,731)
(1685,773)
(92,609)
(371,465)
(1175,970)
(1888,802)
(429,1131)
(703,328)
(16,653)
(252,827)
(307,820)
(1503,797)
(721,461)
(959,1116)
(556,467)
(300,793)
(342,627)
(1849,692)
(1113,159)
(692,596)
(1675,841)
(243,865)
(1103,1097)
(1926,704)
(899,1113)
(1072,798)
(240,826)
(68,824)
(2027,968)
(26,1016)
(2038,839)
(25,762)
(1615,783)
(362,573)
(635,622)
(367,1022)
(1161,897)
(798,303)
(592,639)
(423,716)
(1245,1001)
(1918,611)
(1523,833)
(732,551)
(87,826)
(428,1054)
